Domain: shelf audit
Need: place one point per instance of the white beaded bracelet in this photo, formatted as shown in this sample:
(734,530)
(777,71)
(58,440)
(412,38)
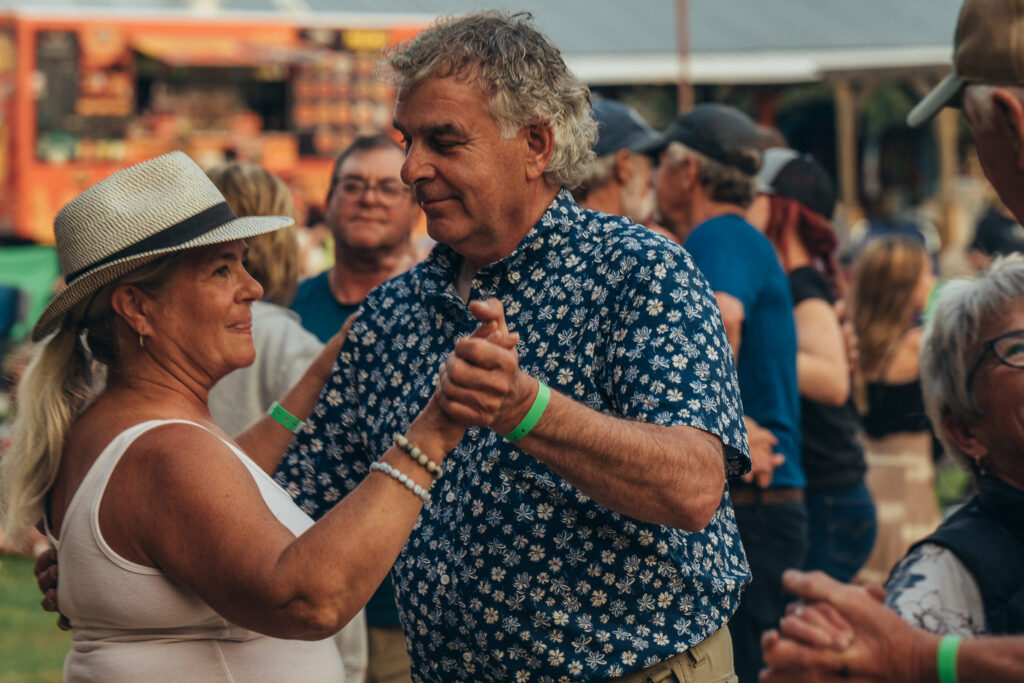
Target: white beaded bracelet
(399,477)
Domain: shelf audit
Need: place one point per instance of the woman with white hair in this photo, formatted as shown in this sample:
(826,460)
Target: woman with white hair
(180,558)
(967,578)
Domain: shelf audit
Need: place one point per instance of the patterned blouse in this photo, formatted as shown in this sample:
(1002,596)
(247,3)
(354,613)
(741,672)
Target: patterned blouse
(511,573)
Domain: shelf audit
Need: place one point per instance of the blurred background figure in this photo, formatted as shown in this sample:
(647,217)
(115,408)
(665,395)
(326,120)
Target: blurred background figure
(371,214)
(620,180)
(892,281)
(284,349)
(792,207)
(967,578)
(997,233)
(705,184)
(15,363)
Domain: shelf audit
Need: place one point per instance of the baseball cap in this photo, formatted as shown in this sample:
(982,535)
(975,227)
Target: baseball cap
(988,47)
(788,173)
(719,132)
(620,127)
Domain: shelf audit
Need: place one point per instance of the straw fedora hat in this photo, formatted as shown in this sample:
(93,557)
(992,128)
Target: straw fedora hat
(160,206)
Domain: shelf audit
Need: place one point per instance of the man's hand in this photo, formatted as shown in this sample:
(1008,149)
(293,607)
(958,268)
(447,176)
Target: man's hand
(763,458)
(842,633)
(480,383)
(45,570)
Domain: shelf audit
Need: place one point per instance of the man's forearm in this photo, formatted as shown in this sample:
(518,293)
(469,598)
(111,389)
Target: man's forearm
(665,475)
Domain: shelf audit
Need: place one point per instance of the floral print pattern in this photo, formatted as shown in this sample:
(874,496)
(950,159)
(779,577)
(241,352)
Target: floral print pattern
(511,573)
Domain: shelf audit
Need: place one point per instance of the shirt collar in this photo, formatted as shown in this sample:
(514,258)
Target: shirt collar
(442,265)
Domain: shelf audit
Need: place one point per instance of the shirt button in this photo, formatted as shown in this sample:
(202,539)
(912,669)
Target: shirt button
(445,579)
(467,657)
(450,498)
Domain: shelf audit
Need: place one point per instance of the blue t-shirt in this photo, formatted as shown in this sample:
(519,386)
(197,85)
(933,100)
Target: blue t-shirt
(320,312)
(740,261)
(512,573)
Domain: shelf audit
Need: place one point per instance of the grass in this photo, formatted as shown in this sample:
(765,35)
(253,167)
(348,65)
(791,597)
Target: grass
(32,648)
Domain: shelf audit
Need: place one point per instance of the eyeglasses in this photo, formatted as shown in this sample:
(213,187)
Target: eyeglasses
(389,192)
(1007,348)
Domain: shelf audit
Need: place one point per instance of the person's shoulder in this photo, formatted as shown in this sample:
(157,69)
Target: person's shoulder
(808,282)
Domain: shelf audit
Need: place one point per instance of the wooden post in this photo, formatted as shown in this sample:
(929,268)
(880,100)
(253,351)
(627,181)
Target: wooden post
(684,88)
(947,128)
(846,149)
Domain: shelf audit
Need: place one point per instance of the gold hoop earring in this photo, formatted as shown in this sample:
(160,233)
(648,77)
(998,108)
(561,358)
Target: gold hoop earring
(142,342)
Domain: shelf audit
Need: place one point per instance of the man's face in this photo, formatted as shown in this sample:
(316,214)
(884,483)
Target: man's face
(674,184)
(637,194)
(469,181)
(370,207)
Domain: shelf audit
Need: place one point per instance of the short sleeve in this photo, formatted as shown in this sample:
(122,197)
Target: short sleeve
(670,361)
(727,269)
(809,283)
(931,589)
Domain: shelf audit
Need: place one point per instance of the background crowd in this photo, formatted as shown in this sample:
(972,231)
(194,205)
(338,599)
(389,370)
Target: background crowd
(850,383)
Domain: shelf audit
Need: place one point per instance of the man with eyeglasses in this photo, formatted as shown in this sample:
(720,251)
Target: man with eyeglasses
(371,214)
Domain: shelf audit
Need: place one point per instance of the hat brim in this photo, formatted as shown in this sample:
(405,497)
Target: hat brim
(944,94)
(92,280)
(653,145)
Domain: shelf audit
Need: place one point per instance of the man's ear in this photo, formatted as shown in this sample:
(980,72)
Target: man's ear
(134,306)
(1011,112)
(624,166)
(540,145)
(964,437)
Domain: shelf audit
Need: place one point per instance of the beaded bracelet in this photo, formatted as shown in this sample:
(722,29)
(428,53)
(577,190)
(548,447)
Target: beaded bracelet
(946,658)
(284,418)
(399,477)
(418,455)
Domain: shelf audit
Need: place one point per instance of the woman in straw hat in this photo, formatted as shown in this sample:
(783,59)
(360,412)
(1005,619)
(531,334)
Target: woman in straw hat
(180,558)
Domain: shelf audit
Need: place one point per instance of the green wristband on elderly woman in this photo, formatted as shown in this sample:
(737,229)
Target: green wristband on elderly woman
(945,663)
(540,403)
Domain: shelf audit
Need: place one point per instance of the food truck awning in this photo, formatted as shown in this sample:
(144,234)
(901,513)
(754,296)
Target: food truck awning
(179,51)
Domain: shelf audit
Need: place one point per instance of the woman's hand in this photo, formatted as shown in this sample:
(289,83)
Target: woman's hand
(480,383)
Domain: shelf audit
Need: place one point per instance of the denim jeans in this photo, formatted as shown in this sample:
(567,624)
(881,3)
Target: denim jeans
(842,529)
(775,539)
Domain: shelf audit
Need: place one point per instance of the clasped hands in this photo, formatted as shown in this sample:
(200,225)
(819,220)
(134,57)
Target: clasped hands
(480,383)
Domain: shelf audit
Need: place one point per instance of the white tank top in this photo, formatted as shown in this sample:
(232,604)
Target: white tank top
(134,623)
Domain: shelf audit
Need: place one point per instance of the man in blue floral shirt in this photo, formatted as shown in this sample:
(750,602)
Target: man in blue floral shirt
(602,544)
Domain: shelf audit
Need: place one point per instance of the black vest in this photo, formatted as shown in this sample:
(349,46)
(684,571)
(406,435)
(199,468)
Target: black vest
(987,536)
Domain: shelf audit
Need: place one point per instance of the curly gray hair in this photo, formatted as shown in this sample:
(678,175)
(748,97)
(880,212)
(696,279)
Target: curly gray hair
(952,345)
(521,72)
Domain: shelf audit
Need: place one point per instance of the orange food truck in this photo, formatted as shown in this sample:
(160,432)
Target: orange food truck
(81,97)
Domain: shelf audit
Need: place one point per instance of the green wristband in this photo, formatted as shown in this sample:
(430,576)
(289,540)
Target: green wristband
(949,646)
(284,418)
(540,402)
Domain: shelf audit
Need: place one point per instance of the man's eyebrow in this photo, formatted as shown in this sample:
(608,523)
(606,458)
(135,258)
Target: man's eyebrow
(446,128)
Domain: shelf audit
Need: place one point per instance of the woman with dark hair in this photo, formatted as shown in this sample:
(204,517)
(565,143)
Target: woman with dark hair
(792,208)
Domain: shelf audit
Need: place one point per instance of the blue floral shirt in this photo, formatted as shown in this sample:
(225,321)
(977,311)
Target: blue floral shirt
(511,573)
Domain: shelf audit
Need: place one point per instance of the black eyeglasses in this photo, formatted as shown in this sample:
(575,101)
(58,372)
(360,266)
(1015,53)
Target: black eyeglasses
(1008,348)
(389,192)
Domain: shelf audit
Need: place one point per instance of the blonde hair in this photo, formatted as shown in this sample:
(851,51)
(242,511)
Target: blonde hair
(884,278)
(59,382)
(273,258)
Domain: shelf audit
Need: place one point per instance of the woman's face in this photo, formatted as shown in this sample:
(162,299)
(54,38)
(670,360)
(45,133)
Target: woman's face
(999,390)
(923,288)
(203,321)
